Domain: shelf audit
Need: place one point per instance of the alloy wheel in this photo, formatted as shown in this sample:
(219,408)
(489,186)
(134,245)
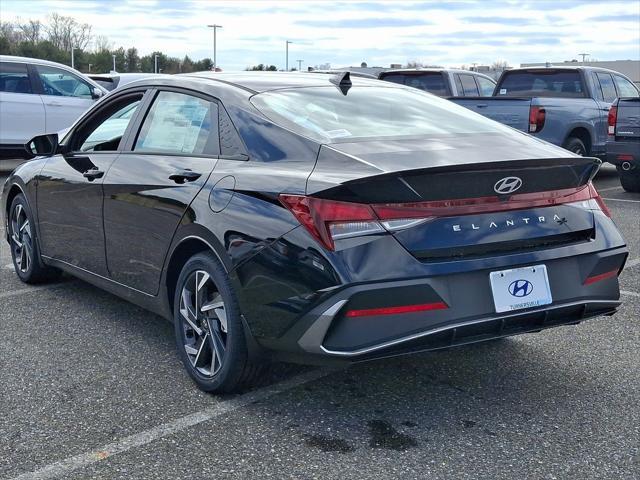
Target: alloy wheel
(204,323)
(21,238)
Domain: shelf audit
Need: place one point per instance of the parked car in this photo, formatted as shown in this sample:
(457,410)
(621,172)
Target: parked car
(36,97)
(111,81)
(338,72)
(623,146)
(444,82)
(315,219)
(566,106)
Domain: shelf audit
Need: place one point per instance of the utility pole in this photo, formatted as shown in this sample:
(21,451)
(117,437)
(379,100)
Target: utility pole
(286,68)
(215,28)
(583,55)
(299,65)
(155,63)
(73,63)
(89,68)
(114,62)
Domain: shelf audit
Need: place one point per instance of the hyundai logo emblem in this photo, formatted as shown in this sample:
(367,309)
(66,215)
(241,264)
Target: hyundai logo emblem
(520,288)
(507,185)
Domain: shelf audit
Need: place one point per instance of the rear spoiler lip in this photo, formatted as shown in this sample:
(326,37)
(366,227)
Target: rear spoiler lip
(498,165)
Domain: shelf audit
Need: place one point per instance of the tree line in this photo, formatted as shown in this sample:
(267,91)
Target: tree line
(53,39)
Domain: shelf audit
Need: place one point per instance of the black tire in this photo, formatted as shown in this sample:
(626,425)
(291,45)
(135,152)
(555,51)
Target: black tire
(199,348)
(630,179)
(25,252)
(575,145)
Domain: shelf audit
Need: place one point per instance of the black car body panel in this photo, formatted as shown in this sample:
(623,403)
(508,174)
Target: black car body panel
(131,229)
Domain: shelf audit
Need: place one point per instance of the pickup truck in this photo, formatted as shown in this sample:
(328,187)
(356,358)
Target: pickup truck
(567,106)
(623,146)
(444,82)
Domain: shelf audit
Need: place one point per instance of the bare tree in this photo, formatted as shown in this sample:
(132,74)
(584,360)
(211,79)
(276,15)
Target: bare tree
(500,65)
(64,32)
(10,31)
(101,42)
(31,31)
(414,64)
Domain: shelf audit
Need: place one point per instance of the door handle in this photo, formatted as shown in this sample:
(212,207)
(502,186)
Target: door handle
(92,174)
(185,176)
(482,105)
(55,104)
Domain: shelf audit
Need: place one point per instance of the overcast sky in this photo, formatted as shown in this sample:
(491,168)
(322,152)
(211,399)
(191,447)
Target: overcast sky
(449,33)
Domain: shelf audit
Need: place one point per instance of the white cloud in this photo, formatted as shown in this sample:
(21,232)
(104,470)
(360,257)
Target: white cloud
(343,33)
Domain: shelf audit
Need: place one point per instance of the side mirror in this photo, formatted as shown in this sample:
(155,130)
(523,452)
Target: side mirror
(43,145)
(96,93)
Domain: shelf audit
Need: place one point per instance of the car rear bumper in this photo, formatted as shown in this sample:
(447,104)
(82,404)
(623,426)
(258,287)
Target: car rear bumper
(325,332)
(620,151)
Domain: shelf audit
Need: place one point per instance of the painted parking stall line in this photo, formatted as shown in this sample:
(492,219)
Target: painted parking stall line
(621,200)
(64,467)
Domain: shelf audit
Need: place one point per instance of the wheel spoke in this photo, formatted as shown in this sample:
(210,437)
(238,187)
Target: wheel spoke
(197,362)
(201,280)
(190,350)
(187,314)
(217,344)
(23,259)
(16,240)
(25,225)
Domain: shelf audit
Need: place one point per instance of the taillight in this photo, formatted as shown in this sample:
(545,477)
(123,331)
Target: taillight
(537,116)
(329,220)
(612,118)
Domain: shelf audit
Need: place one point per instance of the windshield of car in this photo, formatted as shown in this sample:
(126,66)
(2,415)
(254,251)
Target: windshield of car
(542,83)
(325,114)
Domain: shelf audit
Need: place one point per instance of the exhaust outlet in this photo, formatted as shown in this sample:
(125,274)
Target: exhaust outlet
(626,166)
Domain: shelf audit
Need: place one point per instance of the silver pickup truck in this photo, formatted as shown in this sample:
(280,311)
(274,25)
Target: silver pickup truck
(567,106)
(623,146)
(443,82)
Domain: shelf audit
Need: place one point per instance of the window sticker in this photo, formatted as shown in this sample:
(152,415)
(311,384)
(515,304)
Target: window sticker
(503,91)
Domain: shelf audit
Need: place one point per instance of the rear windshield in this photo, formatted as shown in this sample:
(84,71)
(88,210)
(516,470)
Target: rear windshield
(325,114)
(542,83)
(432,82)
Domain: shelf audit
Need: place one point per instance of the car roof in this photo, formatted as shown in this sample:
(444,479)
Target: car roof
(564,67)
(38,61)
(258,82)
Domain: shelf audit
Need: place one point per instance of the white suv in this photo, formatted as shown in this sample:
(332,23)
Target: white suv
(37,97)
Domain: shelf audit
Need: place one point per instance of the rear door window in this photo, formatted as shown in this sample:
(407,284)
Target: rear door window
(180,124)
(469,87)
(429,82)
(542,83)
(14,78)
(62,83)
(486,86)
(625,87)
(606,85)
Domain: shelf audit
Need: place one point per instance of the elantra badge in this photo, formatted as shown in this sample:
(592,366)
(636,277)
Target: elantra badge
(507,185)
(520,288)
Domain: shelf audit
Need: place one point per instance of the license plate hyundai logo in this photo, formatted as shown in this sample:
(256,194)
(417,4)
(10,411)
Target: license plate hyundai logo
(520,288)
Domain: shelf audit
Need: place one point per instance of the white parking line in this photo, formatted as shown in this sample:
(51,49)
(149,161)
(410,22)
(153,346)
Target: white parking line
(608,189)
(66,466)
(621,200)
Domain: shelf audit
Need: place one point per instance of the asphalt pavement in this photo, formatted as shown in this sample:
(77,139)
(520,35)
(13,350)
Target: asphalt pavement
(91,387)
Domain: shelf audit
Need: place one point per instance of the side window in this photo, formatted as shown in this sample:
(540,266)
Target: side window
(179,123)
(459,85)
(14,78)
(59,82)
(608,89)
(625,87)
(486,86)
(469,86)
(104,131)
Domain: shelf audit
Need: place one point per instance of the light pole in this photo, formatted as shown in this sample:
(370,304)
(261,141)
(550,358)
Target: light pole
(155,63)
(287,56)
(73,63)
(299,65)
(215,28)
(583,55)
(89,68)
(114,62)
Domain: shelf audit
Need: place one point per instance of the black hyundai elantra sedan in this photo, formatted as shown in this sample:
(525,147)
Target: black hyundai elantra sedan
(314,219)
